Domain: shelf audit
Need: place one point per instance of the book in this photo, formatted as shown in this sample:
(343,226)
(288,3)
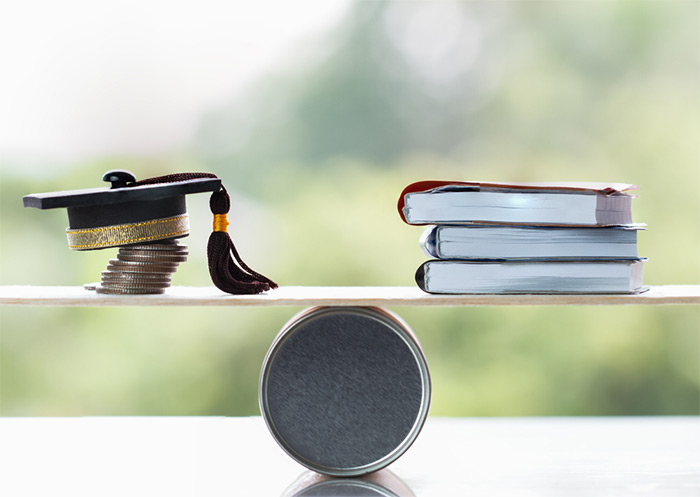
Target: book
(535,277)
(458,202)
(530,242)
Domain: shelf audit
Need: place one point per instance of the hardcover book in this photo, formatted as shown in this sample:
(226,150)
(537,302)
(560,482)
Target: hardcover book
(581,204)
(548,277)
(530,242)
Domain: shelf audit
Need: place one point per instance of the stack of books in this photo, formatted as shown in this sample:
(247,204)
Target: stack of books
(525,237)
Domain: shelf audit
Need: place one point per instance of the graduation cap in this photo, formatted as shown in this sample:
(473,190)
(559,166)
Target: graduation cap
(144,219)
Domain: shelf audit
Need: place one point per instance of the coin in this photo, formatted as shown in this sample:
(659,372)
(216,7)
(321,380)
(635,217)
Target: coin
(135,276)
(131,260)
(109,284)
(119,279)
(145,286)
(151,258)
(152,253)
(169,247)
(106,281)
(128,291)
(141,267)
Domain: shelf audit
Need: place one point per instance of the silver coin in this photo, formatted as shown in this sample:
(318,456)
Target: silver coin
(139,274)
(129,291)
(152,250)
(151,258)
(151,269)
(142,266)
(117,281)
(90,286)
(152,253)
(142,260)
(136,286)
(110,281)
(135,276)
(116,284)
(138,263)
(170,247)
(156,248)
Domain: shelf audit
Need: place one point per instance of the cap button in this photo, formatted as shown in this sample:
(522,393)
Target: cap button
(118,178)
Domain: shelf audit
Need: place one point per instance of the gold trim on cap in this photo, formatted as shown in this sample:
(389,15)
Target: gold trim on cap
(125,234)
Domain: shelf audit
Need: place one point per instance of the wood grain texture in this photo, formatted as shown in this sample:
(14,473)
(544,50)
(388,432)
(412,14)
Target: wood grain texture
(383,296)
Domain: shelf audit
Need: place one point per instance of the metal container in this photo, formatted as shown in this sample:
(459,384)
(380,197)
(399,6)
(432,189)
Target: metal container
(345,390)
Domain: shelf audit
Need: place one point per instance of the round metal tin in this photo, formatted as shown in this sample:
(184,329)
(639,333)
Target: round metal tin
(345,390)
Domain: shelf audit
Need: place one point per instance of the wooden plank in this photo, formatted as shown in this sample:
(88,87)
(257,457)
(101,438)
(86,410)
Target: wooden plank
(384,296)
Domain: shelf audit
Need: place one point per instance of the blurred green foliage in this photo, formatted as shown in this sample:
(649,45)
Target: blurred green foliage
(315,157)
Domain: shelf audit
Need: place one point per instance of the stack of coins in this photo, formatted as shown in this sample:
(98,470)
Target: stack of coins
(142,269)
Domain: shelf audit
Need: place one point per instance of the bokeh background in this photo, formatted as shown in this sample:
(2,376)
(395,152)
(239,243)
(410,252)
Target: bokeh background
(316,115)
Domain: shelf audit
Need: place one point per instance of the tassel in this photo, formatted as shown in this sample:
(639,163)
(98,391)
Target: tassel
(225,273)
(229,275)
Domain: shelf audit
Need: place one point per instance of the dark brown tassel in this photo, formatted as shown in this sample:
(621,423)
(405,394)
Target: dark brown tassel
(229,275)
(226,275)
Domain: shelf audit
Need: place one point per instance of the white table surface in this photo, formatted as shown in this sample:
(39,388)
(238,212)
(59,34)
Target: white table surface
(217,456)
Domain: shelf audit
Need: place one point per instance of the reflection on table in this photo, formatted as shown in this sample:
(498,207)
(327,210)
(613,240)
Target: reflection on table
(382,483)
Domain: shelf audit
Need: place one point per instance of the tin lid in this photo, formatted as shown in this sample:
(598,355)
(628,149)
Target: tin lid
(345,390)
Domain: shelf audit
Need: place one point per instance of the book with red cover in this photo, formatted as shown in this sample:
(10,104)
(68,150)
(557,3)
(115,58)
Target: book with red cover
(463,202)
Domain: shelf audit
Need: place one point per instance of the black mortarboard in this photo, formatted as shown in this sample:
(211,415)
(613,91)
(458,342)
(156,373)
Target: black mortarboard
(147,216)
